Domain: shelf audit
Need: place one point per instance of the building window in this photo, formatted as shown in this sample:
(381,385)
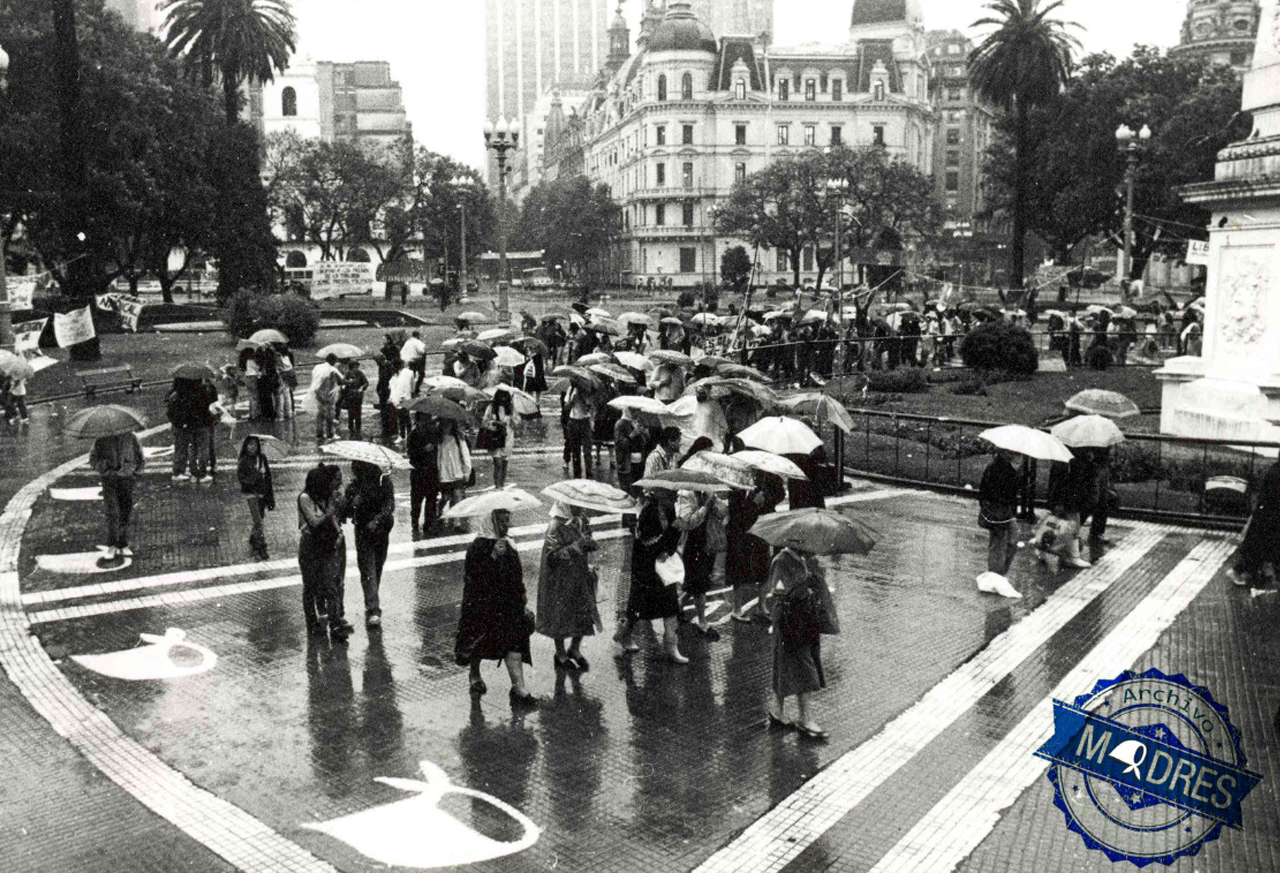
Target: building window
(953,158)
(837,90)
(686,135)
(953,48)
(660,215)
(661,135)
(740,90)
(289,102)
(740,134)
(837,135)
(810,90)
(953,136)
(878,94)
(661,175)
(955,95)
(686,86)
(953,180)
(688,260)
(784,135)
(810,135)
(784,263)
(687,175)
(686,214)
(662,88)
(877,134)
(739,172)
(784,89)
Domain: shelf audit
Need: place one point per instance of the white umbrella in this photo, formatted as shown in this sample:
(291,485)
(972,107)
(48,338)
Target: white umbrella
(510,499)
(729,469)
(1027,441)
(496,333)
(369,453)
(640,404)
(1092,431)
(508,357)
(597,312)
(589,494)
(633,360)
(781,435)
(630,318)
(444,383)
(522,403)
(768,462)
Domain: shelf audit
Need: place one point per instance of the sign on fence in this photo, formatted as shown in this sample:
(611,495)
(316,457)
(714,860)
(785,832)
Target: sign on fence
(416,272)
(22,290)
(336,278)
(73,328)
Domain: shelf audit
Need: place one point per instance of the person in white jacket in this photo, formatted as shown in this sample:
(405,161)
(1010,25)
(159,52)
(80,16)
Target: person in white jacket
(402,384)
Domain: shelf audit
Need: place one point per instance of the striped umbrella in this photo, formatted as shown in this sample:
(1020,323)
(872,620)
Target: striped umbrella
(589,494)
(369,453)
(731,471)
(768,462)
(509,499)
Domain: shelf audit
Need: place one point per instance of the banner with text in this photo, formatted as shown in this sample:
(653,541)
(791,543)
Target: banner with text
(26,342)
(336,278)
(1197,253)
(22,290)
(129,309)
(73,328)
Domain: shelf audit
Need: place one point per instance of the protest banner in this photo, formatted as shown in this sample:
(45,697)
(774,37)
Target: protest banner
(1197,253)
(338,278)
(22,291)
(129,309)
(26,342)
(73,328)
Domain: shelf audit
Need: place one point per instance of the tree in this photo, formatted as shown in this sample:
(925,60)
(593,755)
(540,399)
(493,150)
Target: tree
(572,221)
(241,239)
(1078,174)
(735,268)
(1024,63)
(244,40)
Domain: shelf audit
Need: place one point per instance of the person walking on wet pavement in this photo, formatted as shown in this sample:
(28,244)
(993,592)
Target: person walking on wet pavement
(498,435)
(351,399)
(254,474)
(188,403)
(802,612)
(326,386)
(997,509)
(747,557)
(453,460)
(322,551)
(371,505)
(424,477)
(117,460)
(1258,556)
(567,586)
(1073,492)
(657,538)
(578,429)
(495,624)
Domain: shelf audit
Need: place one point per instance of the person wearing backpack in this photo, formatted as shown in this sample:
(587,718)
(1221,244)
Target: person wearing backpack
(803,612)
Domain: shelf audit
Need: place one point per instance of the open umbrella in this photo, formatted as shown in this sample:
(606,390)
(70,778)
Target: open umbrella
(740,371)
(667,356)
(780,435)
(776,314)
(522,403)
(584,379)
(633,360)
(614,372)
(369,453)
(273,447)
(452,343)
(768,462)
(192,370)
(593,495)
(440,407)
(474,317)
(341,351)
(554,316)
(1126,312)
(442,382)
(597,312)
(593,358)
(605,326)
(1098,309)
(713,361)
(1108,404)
(269,336)
(630,318)
(648,405)
(1088,431)
(813,316)
(683,480)
(510,499)
(478,350)
(1027,441)
(720,388)
(821,408)
(530,345)
(816,531)
(508,357)
(731,471)
(106,420)
(247,344)
(703,319)
(1198,303)
(14,366)
(495,334)
(672,321)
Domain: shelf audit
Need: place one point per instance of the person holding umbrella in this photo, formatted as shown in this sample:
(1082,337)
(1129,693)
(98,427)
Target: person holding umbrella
(254,474)
(370,504)
(322,551)
(748,557)
(424,479)
(657,539)
(998,507)
(188,403)
(567,585)
(354,384)
(580,406)
(453,458)
(117,458)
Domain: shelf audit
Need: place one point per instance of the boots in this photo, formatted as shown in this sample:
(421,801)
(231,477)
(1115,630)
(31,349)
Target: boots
(258,546)
(1071,555)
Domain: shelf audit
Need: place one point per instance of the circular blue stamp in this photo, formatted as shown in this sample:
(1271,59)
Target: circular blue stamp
(1147,767)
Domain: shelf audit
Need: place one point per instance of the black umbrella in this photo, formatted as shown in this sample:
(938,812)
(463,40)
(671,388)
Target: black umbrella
(477,349)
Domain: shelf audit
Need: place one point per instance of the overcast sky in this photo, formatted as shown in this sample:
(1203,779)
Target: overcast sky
(436,47)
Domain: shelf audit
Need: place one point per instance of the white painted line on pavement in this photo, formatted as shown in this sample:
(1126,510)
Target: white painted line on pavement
(778,837)
(959,822)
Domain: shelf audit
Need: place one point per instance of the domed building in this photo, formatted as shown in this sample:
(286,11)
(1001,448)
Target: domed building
(691,112)
(1220,32)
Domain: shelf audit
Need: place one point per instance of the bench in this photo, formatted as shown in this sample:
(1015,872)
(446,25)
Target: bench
(119,378)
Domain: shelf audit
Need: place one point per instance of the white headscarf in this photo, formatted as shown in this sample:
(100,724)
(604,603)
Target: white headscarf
(561,510)
(484,527)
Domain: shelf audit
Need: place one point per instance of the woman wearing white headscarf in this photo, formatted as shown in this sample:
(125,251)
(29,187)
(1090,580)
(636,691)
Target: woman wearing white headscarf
(495,623)
(567,586)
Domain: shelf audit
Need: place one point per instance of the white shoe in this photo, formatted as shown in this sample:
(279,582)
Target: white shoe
(182,477)
(1076,561)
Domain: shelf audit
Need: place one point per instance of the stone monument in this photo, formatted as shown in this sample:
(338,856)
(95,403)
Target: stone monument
(1233,391)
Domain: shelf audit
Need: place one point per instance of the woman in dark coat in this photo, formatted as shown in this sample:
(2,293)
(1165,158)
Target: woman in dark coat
(495,624)
(656,537)
(371,506)
(802,612)
(748,557)
(268,381)
(254,474)
(322,551)
(567,586)
(809,492)
(1261,544)
(1073,491)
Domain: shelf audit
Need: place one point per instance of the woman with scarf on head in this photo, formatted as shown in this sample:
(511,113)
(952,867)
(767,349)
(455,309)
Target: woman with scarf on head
(254,474)
(701,517)
(495,624)
(802,612)
(656,538)
(371,506)
(498,435)
(748,557)
(322,551)
(567,586)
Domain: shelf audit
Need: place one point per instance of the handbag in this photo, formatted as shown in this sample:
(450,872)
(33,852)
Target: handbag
(670,569)
(492,436)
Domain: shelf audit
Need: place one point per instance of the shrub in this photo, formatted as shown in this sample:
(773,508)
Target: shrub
(1098,357)
(908,380)
(1000,346)
(970,388)
(294,316)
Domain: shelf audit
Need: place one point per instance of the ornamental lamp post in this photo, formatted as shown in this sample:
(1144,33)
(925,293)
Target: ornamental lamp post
(838,187)
(1130,145)
(6,323)
(462,264)
(502,139)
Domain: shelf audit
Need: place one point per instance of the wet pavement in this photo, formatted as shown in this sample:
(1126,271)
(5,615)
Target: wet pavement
(635,765)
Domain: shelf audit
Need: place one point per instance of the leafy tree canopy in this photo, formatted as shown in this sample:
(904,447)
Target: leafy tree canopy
(572,221)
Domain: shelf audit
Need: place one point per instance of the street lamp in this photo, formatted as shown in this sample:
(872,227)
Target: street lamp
(838,187)
(1130,145)
(462,266)
(502,139)
(6,323)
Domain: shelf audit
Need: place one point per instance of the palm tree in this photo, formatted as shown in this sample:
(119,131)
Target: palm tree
(1024,63)
(240,39)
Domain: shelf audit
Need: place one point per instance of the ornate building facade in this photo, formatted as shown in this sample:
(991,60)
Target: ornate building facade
(687,115)
(1220,32)
(335,102)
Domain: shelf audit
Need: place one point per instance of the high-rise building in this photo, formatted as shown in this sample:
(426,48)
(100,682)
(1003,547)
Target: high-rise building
(964,131)
(736,17)
(1220,32)
(333,101)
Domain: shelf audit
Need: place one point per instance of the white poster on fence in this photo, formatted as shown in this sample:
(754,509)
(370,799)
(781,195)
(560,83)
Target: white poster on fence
(129,309)
(73,328)
(1197,253)
(21,291)
(336,278)
(26,342)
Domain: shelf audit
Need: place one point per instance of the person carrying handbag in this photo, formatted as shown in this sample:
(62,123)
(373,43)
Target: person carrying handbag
(997,509)
(652,596)
(497,435)
(803,612)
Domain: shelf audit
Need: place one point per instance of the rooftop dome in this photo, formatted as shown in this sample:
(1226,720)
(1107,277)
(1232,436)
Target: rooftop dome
(886,11)
(680,30)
